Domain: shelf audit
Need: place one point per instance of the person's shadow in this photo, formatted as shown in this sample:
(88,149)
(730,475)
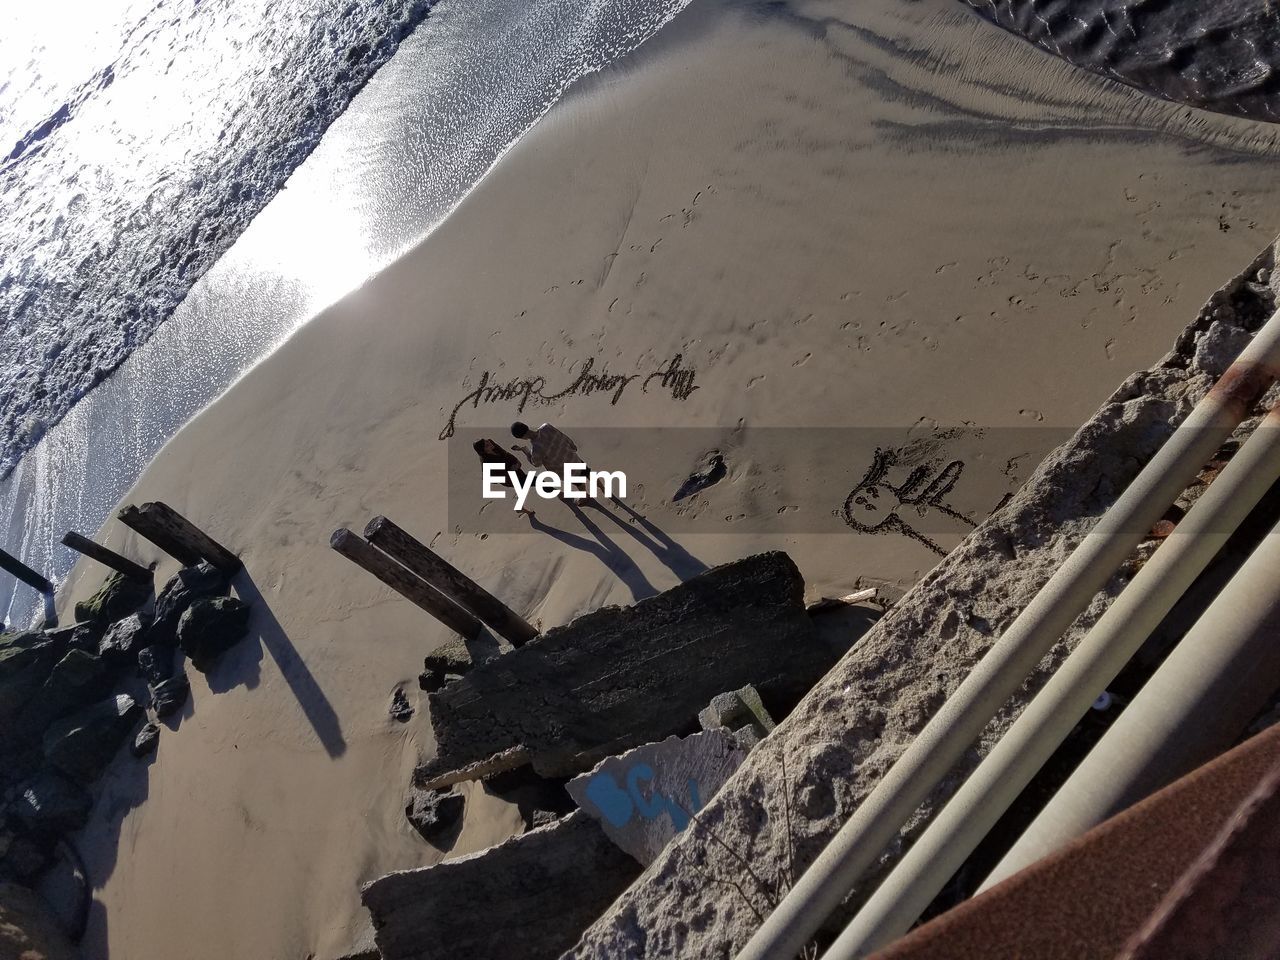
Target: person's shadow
(673,556)
(604,549)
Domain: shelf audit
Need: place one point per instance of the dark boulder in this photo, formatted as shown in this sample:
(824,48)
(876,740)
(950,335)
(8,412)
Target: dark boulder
(24,860)
(434,813)
(118,597)
(83,744)
(121,643)
(155,663)
(77,680)
(50,805)
(210,627)
(183,589)
(168,697)
(86,636)
(146,741)
(25,664)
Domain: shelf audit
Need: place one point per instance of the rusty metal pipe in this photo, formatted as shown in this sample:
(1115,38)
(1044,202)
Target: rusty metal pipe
(792,924)
(990,790)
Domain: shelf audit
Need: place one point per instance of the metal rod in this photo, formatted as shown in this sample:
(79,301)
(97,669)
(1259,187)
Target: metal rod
(405,582)
(109,558)
(449,580)
(1191,709)
(1049,718)
(24,573)
(1001,671)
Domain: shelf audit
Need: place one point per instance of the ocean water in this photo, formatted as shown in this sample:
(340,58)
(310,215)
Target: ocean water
(192,179)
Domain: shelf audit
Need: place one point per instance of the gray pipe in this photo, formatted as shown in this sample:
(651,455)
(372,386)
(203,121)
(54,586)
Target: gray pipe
(976,807)
(1190,710)
(998,675)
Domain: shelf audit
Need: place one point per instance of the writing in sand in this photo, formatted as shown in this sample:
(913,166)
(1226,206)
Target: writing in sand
(524,391)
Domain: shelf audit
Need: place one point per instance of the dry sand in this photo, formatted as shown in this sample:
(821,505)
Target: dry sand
(885,217)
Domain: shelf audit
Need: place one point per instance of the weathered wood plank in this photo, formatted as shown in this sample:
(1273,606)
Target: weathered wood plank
(132,518)
(450,581)
(109,558)
(405,582)
(161,516)
(24,573)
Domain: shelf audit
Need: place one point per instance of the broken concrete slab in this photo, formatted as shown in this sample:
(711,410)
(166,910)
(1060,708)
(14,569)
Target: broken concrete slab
(644,797)
(620,677)
(735,710)
(526,899)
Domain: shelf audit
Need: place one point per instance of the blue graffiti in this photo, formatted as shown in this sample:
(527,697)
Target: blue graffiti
(618,805)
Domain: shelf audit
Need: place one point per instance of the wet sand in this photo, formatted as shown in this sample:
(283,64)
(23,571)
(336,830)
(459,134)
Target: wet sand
(893,218)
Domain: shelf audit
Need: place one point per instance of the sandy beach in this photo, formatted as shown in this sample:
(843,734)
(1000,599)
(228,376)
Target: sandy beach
(899,218)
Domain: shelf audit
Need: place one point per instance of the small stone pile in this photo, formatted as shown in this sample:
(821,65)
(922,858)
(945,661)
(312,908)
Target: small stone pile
(70,697)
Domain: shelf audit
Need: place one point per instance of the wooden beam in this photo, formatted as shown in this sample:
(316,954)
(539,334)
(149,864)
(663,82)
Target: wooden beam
(106,557)
(405,582)
(132,518)
(24,573)
(179,537)
(450,581)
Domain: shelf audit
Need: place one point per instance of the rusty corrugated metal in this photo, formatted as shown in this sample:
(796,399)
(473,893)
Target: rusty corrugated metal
(1085,901)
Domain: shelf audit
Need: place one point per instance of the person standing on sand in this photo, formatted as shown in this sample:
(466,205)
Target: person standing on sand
(490,451)
(549,449)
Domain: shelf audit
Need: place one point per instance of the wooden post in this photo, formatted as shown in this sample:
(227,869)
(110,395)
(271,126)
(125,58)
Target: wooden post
(179,537)
(24,573)
(106,557)
(450,581)
(405,582)
(132,517)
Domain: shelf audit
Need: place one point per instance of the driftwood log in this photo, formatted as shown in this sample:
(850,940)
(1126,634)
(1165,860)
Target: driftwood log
(108,558)
(450,581)
(24,573)
(405,582)
(178,536)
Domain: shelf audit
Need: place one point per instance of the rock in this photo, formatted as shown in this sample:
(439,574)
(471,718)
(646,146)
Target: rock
(168,696)
(147,740)
(646,796)
(24,861)
(210,627)
(548,885)
(1219,346)
(121,643)
(155,663)
(24,667)
(184,588)
(434,812)
(710,471)
(118,597)
(543,818)
(76,681)
(450,657)
(51,804)
(83,744)
(28,928)
(401,709)
(735,710)
(86,636)
(620,677)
